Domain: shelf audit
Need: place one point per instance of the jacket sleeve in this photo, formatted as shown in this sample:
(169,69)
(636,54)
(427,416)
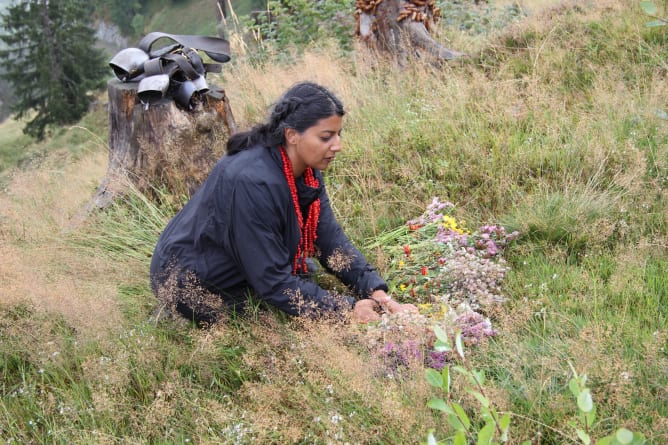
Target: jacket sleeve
(256,240)
(340,257)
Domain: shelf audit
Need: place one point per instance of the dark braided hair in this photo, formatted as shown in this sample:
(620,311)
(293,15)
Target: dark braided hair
(301,107)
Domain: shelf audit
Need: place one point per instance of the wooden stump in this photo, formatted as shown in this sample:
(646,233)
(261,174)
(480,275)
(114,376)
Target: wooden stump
(401,28)
(161,146)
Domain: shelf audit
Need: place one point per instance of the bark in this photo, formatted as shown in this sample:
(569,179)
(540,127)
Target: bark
(221,18)
(162,146)
(401,28)
(420,38)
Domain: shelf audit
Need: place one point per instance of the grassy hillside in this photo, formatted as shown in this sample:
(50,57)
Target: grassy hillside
(554,127)
(192,17)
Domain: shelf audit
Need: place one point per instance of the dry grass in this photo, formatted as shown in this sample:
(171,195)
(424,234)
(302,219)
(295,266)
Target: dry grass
(317,382)
(40,269)
(315,372)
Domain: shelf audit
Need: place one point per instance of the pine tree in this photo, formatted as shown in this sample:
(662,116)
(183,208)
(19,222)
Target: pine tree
(51,62)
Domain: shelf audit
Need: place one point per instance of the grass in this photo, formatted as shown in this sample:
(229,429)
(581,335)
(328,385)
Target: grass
(550,128)
(193,17)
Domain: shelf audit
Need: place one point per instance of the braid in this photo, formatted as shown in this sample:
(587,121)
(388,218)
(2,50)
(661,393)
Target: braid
(301,107)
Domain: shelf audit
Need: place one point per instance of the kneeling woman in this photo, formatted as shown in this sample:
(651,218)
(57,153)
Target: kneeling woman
(260,215)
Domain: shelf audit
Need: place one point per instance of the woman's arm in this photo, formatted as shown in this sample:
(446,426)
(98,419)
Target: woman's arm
(341,258)
(258,237)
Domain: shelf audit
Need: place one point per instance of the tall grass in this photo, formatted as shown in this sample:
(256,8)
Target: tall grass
(550,128)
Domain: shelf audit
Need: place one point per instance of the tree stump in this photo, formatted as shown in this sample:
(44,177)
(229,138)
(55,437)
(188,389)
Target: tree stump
(161,146)
(401,28)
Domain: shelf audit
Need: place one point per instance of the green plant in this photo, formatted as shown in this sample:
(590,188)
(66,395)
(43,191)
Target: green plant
(587,416)
(479,19)
(651,10)
(129,228)
(299,23)
(54,63)
(490,426)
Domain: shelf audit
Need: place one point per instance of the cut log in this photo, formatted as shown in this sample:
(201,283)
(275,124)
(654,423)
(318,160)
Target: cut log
(161,146)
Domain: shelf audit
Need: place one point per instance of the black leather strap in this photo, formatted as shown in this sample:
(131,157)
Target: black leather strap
(216,48)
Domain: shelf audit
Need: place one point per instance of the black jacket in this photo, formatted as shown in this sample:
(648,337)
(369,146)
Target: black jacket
(240,230)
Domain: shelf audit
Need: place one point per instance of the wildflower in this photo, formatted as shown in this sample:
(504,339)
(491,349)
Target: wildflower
(402,287)
(407,250)
(401,263)
(474,327)
(450,222)
(424,307)
(424,271)
(437,360)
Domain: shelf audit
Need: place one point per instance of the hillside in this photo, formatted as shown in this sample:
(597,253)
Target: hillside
(554,127)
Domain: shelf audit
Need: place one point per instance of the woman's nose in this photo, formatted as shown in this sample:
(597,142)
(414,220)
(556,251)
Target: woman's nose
(336,143)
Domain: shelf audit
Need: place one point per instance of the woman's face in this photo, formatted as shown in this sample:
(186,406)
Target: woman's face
(317,146)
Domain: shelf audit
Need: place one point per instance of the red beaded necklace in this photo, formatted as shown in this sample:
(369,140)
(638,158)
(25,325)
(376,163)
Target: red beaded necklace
(307,229)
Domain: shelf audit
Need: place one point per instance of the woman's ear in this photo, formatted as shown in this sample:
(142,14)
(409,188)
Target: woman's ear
(291,136)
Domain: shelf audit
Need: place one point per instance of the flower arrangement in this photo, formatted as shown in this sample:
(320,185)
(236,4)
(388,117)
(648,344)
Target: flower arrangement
(452,274)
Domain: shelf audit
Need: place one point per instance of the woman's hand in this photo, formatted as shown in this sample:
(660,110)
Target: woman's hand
(387,303)
(395,307)
(364,311)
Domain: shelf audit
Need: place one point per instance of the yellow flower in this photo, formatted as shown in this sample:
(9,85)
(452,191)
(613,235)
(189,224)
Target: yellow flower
(449,222)
(402,287)
(424,308)
(401,263)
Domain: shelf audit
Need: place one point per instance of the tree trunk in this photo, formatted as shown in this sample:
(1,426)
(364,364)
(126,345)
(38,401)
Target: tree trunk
(401,28)
(161,146)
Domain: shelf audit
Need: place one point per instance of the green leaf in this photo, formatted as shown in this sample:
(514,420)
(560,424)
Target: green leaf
(441,335)
(648,7)
(486,434)
(504,425)
(655,23)
(460,438)
(461,415)
(455,423)
(584,437)
(590,417)
(486,413)
(638,439)
(585,402)
(480,377)
(504,421)
(445,373)
(440,405)
(574,387)
(624,436)
(484,401)
(461,370)
(459,345)
(439,346)
(434,378)
(607,440)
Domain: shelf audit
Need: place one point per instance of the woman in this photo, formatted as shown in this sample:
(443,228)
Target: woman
(260,216)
